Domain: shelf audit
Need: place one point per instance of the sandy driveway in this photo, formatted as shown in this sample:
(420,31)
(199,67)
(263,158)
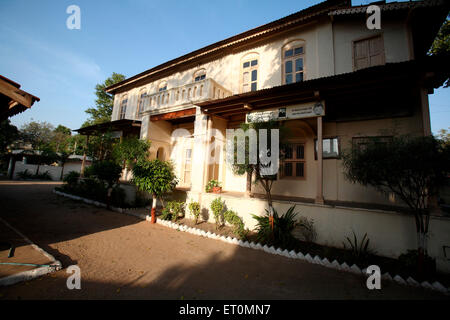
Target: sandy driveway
(122,257)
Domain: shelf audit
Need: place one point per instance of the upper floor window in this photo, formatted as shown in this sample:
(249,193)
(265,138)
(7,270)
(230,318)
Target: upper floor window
(368,52)
(123,107)
(162,86)
(199,75)
(141,102)
(293,62)
(249,77)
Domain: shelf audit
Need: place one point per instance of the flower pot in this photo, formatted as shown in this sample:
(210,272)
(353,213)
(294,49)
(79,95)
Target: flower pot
(217,189)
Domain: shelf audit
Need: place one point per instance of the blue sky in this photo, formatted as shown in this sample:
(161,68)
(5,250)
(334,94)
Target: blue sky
(62,66)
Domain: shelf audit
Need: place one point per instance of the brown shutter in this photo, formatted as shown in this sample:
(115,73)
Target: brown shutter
(375,51)
(361,52)
(368,52)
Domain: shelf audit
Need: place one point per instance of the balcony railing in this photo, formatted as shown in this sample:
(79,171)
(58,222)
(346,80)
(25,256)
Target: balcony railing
(189,94)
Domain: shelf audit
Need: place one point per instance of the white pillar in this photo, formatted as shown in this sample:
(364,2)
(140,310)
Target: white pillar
(199,160)
(83,163)
(319,193)
(425,112)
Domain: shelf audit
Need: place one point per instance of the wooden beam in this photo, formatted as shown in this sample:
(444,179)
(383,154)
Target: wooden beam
(12,104)
(174,115)
(231,113)
(15,94)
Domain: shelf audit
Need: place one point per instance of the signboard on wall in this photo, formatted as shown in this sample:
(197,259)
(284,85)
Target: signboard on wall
(298,111)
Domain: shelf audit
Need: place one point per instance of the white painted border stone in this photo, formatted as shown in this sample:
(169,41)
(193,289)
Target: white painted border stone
(437,286)
(54,265)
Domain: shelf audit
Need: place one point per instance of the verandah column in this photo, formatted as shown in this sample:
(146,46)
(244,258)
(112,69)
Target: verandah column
(319,192)
(83,163)
(199,159)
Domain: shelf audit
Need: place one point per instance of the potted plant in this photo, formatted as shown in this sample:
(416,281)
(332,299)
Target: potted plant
(214,186)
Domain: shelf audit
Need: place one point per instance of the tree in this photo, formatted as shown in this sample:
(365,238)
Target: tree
(8,134)
(38,134)
(156,177)
(130,150)
(249,168)
(61,139)
(101,147)
(63,130)
(104,103)
(441,44)
(76,144)
(444,136)
(413,168)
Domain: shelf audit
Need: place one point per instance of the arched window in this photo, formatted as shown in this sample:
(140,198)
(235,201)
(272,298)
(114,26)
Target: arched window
(249,72)
(199,75)
(141,102)
(293,55)
(162,86)
(123,107)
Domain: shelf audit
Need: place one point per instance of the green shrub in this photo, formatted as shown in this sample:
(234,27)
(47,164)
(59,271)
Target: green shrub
(141,201)
(307,229)
(88,171)
(410,261)
(25,174)
(281,235)
(71,178)
(92,189)
(107,171)
(118,197)
(362,252)
(39,176)
(238,225)
(42,176)
(194,208)
(173,210)
(217,207)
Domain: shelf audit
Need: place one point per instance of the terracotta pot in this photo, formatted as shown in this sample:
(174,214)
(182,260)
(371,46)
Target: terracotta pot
(217,189)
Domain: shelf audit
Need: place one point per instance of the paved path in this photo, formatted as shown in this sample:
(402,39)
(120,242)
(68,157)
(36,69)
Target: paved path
(122,257)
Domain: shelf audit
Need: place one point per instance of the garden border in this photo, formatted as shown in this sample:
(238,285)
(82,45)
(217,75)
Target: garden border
(436,286)
(53,266)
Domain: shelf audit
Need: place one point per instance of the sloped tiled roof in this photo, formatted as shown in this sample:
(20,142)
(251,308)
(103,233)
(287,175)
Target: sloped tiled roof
(392,6)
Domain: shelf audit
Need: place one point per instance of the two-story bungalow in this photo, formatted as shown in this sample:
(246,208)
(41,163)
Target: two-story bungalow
(329,78)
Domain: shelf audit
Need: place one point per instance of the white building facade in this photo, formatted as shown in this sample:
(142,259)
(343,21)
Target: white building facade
(371,83)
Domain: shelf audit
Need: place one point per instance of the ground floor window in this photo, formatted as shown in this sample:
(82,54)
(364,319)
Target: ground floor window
(331,148)
(187,166)
(293,161)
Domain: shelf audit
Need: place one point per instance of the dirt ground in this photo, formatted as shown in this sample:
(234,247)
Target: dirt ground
(122,257)
(22,252)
